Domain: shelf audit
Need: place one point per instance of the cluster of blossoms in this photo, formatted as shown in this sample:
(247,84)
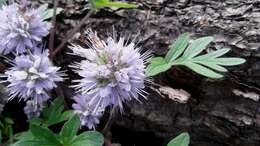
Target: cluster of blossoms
(32,74)
(21,27)
(112,72)
(31,77)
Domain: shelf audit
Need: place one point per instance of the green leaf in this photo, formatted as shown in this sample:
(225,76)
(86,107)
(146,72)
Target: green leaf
(67,115)
(45,135)
(48,13)
(230,61)
(33,143)
(178,47)
(9,121)
(69,130)
(110,4)
(181,140)
(203,70)
(157,66)
(89,138)
(36,121)
(211,55)
(24,136)
(197,46)
(53,114)
(183,53)
(2,2)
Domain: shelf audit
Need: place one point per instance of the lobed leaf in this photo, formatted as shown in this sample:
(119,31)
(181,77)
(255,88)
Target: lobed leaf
(177,47)
(157,66)
(89,138)
(45,135)
(69,130)
(197,46)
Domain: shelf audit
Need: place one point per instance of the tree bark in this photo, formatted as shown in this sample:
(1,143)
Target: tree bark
(223,112)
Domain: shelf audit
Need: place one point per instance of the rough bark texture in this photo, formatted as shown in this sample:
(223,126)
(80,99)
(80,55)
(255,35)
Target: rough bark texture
(219,113)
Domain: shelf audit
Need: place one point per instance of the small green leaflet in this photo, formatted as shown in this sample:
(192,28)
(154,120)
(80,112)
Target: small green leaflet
(187,54)
(89,138)
(45,135)
(48,13)
(111,4)
(69,130)
(42,136)
(158,65)
(55,113)
(181,140)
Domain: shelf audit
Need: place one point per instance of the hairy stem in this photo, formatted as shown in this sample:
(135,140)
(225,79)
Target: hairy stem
(71,34)
(109,121)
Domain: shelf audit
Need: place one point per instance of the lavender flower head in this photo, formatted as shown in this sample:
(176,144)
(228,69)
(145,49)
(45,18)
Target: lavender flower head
(89,116)
(113,72)
(21,27)
(32,76)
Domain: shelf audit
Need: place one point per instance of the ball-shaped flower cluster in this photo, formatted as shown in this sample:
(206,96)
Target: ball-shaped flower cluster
(21,28)
(112,72)
(32,76)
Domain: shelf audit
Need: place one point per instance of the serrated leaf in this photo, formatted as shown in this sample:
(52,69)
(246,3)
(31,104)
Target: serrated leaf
(45,135)
(197,46)
(181,140)
(69,130)
(89,138)
(203,70)
(157,66)
(177,47)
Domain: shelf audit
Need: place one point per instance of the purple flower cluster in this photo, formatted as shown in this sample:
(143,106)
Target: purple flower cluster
(88,114)
(21,28)
(112,72)
(32,76)
(32,109)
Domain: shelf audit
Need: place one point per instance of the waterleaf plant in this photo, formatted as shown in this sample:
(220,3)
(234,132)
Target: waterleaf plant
(53,114)
(42,136)
(187,53)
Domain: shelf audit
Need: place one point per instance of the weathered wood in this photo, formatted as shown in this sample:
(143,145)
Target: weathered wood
(216,115)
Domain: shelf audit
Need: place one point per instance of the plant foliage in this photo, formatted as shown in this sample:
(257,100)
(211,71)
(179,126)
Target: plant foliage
(40,135)
(111,4)
(187,53)
(181,140)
